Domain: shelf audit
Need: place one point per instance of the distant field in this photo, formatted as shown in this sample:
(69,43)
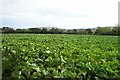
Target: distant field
(87,57)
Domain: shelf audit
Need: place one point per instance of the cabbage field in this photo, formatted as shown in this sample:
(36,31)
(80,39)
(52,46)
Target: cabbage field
(43,56)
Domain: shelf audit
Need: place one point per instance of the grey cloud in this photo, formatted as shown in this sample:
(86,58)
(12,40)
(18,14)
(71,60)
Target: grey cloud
(14,7)
(60,13)
(35,12)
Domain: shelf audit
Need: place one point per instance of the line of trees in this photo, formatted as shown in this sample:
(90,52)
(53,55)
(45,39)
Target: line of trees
(108,31)
(97,31)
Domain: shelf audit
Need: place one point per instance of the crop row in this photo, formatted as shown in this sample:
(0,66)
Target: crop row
(86,57)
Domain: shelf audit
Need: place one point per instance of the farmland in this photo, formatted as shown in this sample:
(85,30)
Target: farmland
(86,57)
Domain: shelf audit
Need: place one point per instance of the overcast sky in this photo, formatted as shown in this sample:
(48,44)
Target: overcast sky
(59,13)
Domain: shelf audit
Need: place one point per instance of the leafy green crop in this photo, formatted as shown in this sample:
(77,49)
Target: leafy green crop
(86,57)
